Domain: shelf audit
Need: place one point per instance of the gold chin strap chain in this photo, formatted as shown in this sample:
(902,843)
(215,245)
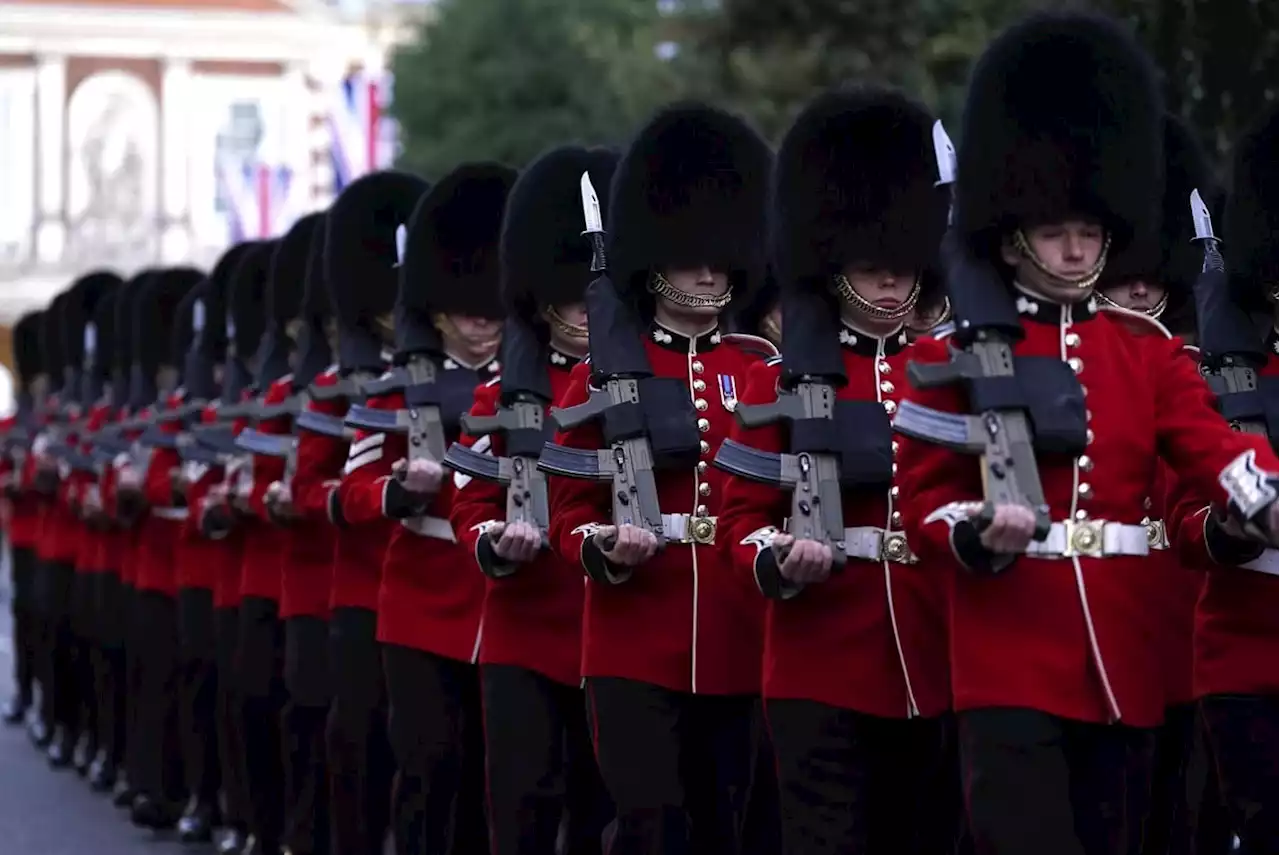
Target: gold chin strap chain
(1083,282)
(845,290)
(385,326)
(928,324)
(577,332)
(660,287)
(1154,312)
(771,328)
(449,330)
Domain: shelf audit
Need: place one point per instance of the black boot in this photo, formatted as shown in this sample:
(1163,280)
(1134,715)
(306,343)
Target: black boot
(15,710)
(39,732)
(62,748)
(258,847)
(123,794)
(102,773)
(83,756)
(153,814)
(198,822)
(234,842)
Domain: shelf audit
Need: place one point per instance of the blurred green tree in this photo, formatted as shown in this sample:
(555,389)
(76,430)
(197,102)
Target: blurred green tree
(506,79)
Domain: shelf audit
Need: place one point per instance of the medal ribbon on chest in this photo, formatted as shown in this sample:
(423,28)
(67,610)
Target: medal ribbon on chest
(728,392)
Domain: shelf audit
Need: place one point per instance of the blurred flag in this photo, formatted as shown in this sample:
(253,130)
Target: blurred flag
(257,196)
(363,138)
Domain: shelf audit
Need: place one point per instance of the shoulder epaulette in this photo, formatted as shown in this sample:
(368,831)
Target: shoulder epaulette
(773,360)
(493,382)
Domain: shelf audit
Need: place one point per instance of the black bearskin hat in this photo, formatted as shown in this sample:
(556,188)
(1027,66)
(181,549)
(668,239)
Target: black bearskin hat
(82,302)
(1249,226)
(133,293)
(1063,117)
(692,189)
(104,332)
(546,259)
(184,323)
(27,358)
(315,297)
(751,314)
(212,338)
(52,354)
(157,316)
(246,299)
(360,242)
(288,276)
(857,180)
(451,254)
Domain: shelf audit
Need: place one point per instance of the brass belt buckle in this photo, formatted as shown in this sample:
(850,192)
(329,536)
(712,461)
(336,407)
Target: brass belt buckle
(703,530)
(1157,537)
(894,548)
(1083,538)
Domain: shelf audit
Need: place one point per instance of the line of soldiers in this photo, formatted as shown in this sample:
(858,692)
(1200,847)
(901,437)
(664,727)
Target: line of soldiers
(906,525)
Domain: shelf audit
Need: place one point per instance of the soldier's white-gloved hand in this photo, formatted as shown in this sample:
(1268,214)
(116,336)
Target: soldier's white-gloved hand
(804,562)
(421,476)
(279,499)
(632,545)
(1011,529)
(129,477)
(516,542)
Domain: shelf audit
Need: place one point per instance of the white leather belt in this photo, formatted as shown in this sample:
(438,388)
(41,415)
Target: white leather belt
(877,544)
(689,528)
(1268,562)
(174,514)
(1091,539)
(425,526)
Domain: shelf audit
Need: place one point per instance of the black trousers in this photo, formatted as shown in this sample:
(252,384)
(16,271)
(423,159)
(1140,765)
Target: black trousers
(1036,783)
(260,673)
(134,635)
(677,765)
(541,767)
(25,627)
(199,694)
(59,677)
(306,646)
(851,782)
(236,803)
(85,638)
(158,771)
(1242,732)
(762,833)
(438,737)
(361,766)
(110,688)
(1187,815)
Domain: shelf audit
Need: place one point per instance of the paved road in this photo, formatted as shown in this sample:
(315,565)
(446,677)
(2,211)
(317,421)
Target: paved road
(43,812)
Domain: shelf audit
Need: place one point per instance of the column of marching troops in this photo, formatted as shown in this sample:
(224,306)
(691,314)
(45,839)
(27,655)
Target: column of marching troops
(300,555)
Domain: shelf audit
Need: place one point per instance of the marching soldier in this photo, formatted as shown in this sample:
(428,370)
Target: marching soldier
(541,766)
(360,272)
(1235,677)
(671,639)
(855,680)
(21,522)
(148,483)
(429,615)
(307,558)
(1055,664)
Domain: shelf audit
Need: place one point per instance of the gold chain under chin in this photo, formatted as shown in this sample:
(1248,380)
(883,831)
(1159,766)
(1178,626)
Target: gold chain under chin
(566,329)
(1154,312)
(1084,282)
(844,288)
(660,287)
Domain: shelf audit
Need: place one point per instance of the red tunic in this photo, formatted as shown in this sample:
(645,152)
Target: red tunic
(265,544)
(24,511)
(96,543)
(308,569)
(1237,633)
(204,563)
(158,535)
(59,538)
(872,638)
(1073,637)
(532,618)
(685,620)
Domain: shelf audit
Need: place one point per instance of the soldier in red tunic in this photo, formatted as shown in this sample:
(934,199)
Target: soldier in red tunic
(21,521)
(671,638)
(1056,661)
(541,765)
(1149,285)
(429,614)
(855,658)
(148,482)
(360,270)
(1236,663)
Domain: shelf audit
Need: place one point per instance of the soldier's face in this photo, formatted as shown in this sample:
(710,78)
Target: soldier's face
(1138,295)
(1068,250)
(700,282)
(477,333)
(883,288)
(568,325)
